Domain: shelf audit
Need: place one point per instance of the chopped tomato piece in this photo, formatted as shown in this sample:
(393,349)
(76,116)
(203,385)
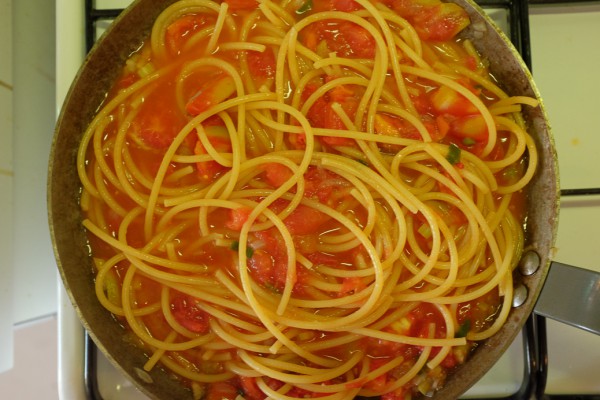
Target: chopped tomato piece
(471,63)
(321,183)
(345,38)
(398,394)
(422,103)
(358,41)
(242,4)
(221,391)
(188,314)
(352,285)
(157,124)
(470,126)
(304,220)
(338,5)
(214,92)
(277,174)
(322,115)
(297,141)
(379,383)
(422,317)
(447,21)
(261,64)
(392,126)
(251,389)
(181,30)
(127,80)
(447,101)
(262,266)
(450,361)
(268,264)
(433,19)
(237,218)
(219,139)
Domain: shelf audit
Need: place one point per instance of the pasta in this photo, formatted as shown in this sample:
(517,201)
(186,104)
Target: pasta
(310,198)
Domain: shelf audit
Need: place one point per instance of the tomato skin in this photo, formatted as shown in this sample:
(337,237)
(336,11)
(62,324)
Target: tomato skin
(188,314)
(211,94)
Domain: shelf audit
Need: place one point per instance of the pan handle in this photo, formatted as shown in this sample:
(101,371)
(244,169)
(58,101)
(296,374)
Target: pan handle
(571,295)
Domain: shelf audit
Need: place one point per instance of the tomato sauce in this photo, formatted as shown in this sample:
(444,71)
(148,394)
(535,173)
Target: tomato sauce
(162,112)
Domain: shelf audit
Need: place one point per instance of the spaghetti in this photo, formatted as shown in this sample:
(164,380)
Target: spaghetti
(307,198)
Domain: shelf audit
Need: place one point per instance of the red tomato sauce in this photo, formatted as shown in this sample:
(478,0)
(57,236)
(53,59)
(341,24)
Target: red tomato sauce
(448,117)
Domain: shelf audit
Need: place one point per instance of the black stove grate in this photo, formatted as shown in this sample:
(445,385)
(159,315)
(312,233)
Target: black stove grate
(535,349)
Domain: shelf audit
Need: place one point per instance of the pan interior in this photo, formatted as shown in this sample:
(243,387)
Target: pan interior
(69,239)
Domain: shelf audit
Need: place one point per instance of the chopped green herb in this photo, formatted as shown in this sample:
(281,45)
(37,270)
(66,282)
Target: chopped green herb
(453,154)
(468,141)
(425,231)
(363,162)
(307,6)
(510,174)
(235,246)
(464,328)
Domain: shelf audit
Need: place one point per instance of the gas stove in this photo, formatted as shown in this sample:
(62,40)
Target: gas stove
(549,360)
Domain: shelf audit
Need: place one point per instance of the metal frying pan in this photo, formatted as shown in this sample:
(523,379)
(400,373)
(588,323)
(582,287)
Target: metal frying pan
(537,272)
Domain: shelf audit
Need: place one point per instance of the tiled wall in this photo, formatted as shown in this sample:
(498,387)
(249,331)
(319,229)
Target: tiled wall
(6,181)
(27,269)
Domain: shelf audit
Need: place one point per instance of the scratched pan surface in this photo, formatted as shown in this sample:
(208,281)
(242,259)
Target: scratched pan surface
(88,91)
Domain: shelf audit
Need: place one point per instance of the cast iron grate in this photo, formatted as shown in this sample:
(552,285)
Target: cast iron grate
(535,349)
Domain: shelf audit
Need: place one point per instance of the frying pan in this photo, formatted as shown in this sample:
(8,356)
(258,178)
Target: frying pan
(536,280)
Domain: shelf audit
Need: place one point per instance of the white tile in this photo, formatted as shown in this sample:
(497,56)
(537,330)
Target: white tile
(6,130)
(6,230)
(5,42)
(34,119)
(105,4)
(565,64)
(6,292)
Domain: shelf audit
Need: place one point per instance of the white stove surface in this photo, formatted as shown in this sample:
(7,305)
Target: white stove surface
(565,60)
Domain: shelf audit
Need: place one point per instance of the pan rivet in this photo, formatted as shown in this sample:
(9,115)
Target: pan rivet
(519,295)
(530,262)
(143,375)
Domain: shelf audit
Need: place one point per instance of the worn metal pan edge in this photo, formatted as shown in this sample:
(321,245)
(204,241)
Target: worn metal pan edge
(89,90)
